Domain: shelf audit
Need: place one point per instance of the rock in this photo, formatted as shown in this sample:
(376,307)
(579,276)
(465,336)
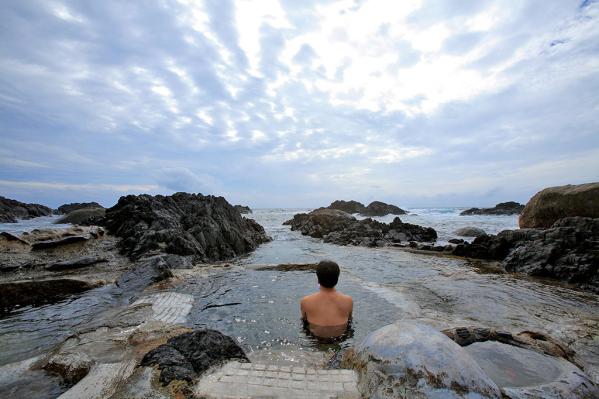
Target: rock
(338,227)
(84,216)
(243,209)
(76,263)
(378,208)
(291,267)
(551,204)
(58,243)
(207,227)
(11,210)
(503,208)
(407,359)
(347,206)
(36,293)
(455,241)
(68,208)
(187,356)
(470,232)
(11,237)
(568,251)
(72,367)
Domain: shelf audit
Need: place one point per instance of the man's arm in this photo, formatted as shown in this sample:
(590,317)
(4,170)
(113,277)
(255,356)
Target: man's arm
(303,309)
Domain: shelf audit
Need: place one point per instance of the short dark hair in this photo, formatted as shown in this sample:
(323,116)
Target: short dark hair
(327,272)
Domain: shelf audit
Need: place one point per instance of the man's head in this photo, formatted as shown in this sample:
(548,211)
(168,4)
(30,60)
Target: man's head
(327,273)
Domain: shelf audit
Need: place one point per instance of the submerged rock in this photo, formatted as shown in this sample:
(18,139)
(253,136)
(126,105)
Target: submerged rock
(207,227)
(35,293)
(407,359)
(68,208)
(568,251)
(338,227)
(503,208)
(12,210)
(551,204)
(84,216)
(187,356)
(470,232)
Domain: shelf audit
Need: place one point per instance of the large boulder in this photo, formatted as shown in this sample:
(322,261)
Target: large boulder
(84,216)
(551,204)
(407,359)
(68,208)
(378,208)
(187,356)
(320,222)
(12,210)
(568,251)
(503,208)
(347,206)
(207,227)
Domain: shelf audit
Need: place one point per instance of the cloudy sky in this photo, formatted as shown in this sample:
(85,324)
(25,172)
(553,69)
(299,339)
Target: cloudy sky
(296,103)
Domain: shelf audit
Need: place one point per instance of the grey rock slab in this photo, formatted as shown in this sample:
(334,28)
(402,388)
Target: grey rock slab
(102,381)
(407,359)
(245,380)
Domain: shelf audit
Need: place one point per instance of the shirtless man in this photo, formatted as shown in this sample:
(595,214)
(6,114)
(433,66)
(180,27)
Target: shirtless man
(327,312)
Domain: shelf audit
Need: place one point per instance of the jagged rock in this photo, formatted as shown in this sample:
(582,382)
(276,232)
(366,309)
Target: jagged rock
(378,208)
(207,227)
(84,216)
(338,227)
(12,210)
(35,293)
(551,204)
(407,359)
(470,232)
(568,251)
(243,209)
(68,208)
(503,208)
(347,206)
(76,263)
(456,241)
(187,356)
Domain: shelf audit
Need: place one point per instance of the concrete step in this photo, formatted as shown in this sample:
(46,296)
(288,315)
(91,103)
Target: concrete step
(101,382)
(252,380)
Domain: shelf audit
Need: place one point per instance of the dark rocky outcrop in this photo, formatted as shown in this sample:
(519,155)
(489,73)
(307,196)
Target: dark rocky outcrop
(503,208)
(338,227)
(68,208)
(469,232)
(243,209)
(35,293)
(187,356)
(375,208)
(207,227)
(551,204)
(347,206)
(11,210)
(378,208)
(568,251)
(84,216)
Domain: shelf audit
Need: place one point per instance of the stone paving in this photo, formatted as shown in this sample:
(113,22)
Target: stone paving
(251,380)
(169,307)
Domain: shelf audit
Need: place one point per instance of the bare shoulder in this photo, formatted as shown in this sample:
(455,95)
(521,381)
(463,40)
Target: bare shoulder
(346,298)
(308,298)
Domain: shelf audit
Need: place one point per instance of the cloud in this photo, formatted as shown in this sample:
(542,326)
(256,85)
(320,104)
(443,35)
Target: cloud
(282,102)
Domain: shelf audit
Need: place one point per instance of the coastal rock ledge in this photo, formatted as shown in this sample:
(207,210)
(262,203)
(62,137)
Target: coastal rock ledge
(338,227)
(12,210)
(204,226)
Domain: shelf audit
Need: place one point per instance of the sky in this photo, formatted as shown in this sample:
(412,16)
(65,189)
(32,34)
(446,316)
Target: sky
(287,103)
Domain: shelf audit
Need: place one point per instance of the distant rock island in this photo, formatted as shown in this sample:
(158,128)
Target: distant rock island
(12,210)
(375,208)
(68,208)
(503,208)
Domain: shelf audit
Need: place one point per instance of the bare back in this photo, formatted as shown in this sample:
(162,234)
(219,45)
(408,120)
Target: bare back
(327,308)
